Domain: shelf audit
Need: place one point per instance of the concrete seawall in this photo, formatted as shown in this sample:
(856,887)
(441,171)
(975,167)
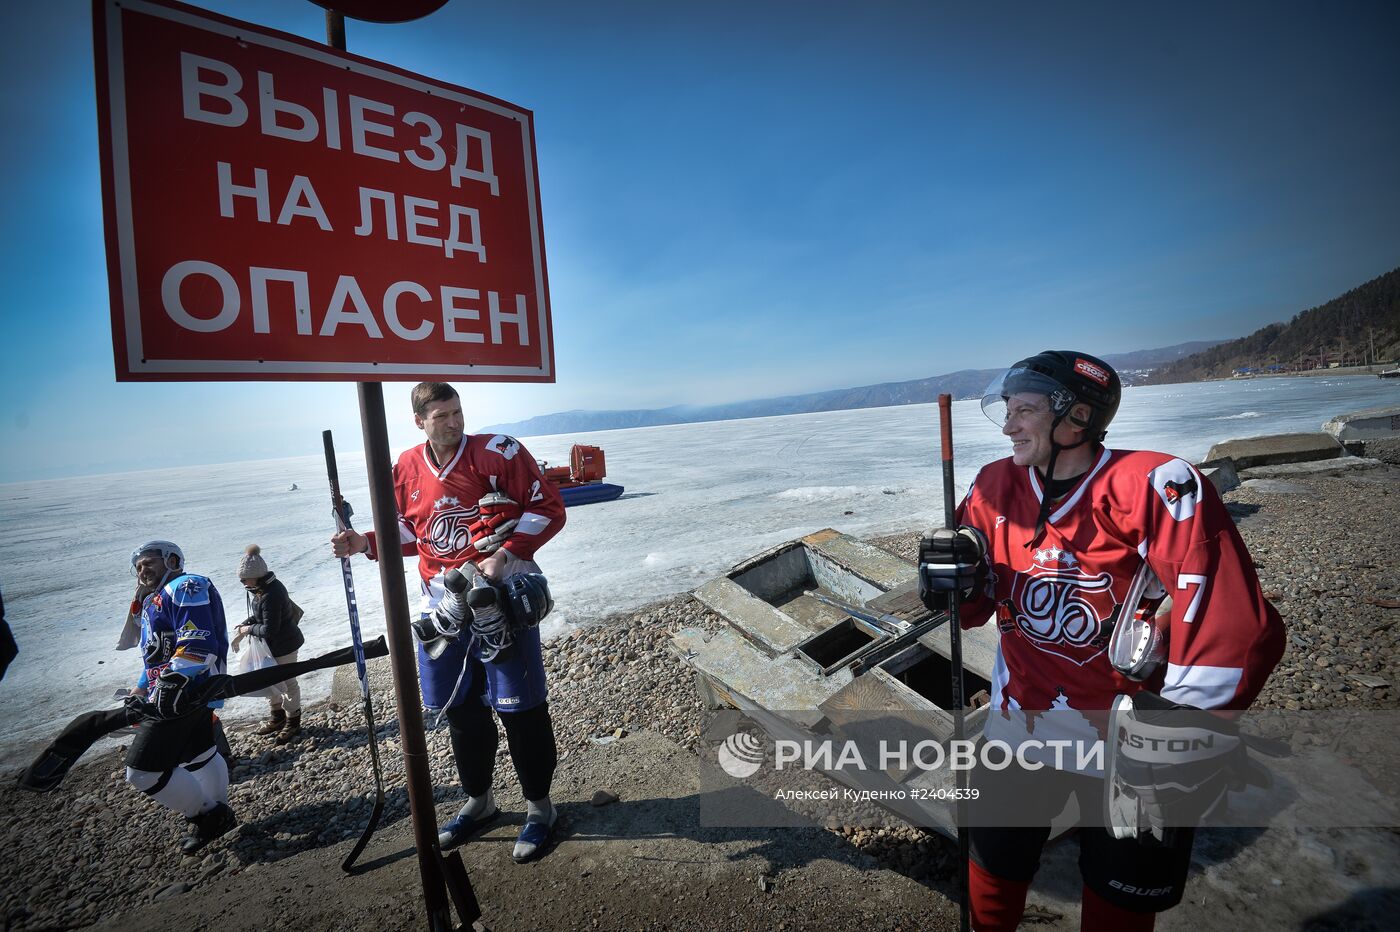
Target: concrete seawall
(1359,440)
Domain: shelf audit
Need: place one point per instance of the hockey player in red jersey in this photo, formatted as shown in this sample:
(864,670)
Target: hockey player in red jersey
(1113,577)
(477,503)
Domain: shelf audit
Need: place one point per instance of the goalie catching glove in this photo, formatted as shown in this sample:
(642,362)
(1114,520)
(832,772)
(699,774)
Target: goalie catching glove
(1169,766)
(950,559)
(499,514)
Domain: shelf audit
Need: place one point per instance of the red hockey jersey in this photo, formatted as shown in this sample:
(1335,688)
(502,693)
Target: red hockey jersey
(438,504)
(1055,603)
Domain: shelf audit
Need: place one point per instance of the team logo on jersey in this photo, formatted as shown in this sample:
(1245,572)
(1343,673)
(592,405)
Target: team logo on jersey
(192,590)
(1175,491)
(506,446)
(191,630)
(1060,609)
(449,528)
(1091,371)
(1178,486)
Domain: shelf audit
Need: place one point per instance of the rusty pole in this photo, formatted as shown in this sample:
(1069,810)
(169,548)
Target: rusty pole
(401,656)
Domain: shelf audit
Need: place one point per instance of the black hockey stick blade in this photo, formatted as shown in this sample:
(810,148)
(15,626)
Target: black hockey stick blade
(348,865)
(378,810)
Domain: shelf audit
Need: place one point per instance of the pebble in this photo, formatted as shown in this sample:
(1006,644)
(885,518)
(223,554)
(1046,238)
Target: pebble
(172,889)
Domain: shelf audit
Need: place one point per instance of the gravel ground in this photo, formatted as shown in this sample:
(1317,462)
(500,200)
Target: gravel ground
(95,850)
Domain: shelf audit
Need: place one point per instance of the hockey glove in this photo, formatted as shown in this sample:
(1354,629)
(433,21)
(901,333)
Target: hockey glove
(1169,766)
(173,695)
(498,517)
(950,559)
(136,708)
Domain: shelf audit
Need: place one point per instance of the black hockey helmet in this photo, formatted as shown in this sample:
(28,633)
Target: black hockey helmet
(1067,378)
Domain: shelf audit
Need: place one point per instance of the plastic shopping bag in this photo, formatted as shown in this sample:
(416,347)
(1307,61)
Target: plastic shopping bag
(256,656)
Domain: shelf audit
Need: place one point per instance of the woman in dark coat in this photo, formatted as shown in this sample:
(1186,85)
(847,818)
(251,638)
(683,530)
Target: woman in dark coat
(274,619)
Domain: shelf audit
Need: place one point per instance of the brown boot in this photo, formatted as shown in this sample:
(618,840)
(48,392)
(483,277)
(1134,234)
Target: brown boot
(273,725)
(291,729)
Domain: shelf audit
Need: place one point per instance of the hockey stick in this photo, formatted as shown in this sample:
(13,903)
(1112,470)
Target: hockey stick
(342,523)
(52,765)
(945,425)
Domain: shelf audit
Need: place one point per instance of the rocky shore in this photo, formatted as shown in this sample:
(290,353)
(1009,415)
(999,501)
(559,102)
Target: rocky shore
(95,851)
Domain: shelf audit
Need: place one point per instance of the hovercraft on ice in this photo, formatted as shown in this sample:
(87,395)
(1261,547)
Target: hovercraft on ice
(581,482)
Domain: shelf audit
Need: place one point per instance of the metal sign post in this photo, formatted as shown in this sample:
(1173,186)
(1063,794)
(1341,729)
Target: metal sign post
(409,703)
(404,665)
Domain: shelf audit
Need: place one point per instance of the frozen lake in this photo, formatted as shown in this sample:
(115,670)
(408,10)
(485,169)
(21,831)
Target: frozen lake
(699,498)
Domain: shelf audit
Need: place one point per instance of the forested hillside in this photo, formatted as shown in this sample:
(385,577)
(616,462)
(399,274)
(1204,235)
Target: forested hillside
(1343,331)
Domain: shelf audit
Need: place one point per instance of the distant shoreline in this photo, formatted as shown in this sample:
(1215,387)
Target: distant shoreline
(1375,369)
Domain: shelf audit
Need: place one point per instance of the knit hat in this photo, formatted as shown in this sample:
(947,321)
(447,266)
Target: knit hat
(252,566)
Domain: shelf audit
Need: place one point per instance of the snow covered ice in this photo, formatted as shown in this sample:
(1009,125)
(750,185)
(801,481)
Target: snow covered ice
(699,498)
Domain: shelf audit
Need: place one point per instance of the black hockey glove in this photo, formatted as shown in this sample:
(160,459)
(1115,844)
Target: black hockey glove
(950,559)
(1169,766)
(173,696)
(136,708)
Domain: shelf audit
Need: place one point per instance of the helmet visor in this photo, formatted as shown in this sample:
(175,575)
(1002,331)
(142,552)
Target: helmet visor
(1020,380)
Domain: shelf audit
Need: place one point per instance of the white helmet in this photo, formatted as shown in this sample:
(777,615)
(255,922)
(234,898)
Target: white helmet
(165,547)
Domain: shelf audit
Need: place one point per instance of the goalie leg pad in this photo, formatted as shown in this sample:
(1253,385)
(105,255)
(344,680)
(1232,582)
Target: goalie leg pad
(210,770)
(175,788)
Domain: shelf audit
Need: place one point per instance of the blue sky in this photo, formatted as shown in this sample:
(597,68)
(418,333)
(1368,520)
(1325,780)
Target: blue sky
(763,198)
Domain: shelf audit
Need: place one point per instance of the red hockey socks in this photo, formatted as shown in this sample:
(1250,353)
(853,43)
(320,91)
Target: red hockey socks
(1099,915)
(995,902)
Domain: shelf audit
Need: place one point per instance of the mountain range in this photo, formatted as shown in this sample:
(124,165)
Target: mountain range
(965,383)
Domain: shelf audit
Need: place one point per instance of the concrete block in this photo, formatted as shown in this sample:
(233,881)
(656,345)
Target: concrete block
(1332,467)
(1277,449)
(1221,474)
(1387,451)
(1381,423)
